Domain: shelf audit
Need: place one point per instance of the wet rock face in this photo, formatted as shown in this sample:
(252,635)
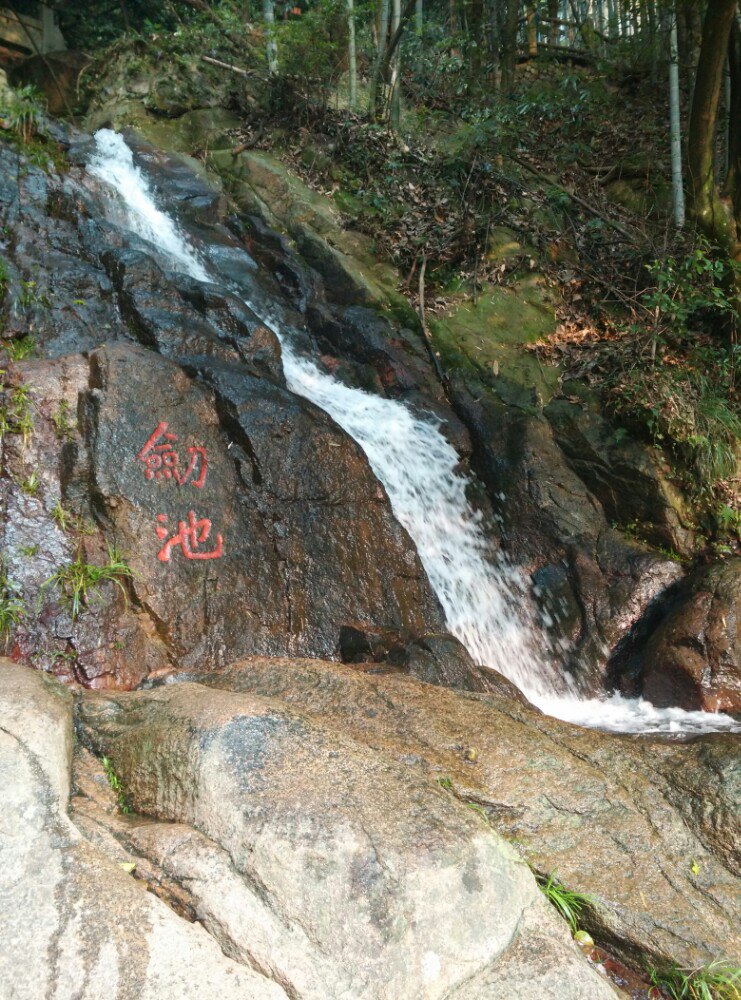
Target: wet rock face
(250,521)
(692,658)
(593,584)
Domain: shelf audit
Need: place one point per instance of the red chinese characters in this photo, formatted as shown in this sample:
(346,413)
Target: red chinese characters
(161,461)
(191,534)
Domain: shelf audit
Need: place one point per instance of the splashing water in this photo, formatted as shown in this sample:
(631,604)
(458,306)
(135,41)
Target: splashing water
(485,600)
(113,163)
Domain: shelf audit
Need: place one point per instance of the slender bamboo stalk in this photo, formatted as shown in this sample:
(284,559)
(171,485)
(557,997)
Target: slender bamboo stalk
(675,125)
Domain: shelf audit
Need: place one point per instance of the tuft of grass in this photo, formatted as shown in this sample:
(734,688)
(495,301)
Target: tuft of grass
(716,981)
(569,904)
(61,516)
(115,782)
(20,348)
(64,425)
(15,413)
(79,579)
(11,606)
(31,485)
(22,111)
(29,550)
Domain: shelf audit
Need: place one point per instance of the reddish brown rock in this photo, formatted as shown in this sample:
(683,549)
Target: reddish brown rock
(692,660)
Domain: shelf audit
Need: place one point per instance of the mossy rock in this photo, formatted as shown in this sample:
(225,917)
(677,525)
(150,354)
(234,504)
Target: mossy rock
(641,196)
(490,337)
(261,184)
(502,244)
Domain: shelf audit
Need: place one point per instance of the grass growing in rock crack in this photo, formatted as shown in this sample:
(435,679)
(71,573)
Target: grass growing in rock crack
(569,904)
(78,579)
(717,981)
(15,413)
(20,348)
(11,606)
(30,485)
(64,425)
(115,782)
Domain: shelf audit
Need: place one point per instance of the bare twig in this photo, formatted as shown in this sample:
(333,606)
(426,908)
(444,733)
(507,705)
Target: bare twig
(229,66)
(579,201)
(423,320)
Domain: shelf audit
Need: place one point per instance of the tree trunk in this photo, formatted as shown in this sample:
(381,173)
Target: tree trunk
(387,55)
(532,31)
(395,108)
(352,64)
(419,17)
(509,46)
(733,179)
(713,215)
(476,36)
(268,13)
(676,128)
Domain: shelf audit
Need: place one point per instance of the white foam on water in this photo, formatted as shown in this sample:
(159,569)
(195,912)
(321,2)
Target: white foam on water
(485,599)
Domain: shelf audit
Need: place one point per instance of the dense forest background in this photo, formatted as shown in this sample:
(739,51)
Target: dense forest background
(604,134)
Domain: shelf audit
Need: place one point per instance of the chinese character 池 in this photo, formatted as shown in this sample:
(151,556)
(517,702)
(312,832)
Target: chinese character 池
(191,534)
(161,461)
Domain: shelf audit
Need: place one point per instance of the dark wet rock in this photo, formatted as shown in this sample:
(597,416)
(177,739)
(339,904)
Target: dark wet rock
(258,526)
(50,523)
(692,659)
(445,661)
(593,584)
(626,476)
(646,826)
(436,659)
(336,867)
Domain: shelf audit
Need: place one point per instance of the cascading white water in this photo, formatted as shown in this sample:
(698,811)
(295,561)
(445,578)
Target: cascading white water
(483,597)
(113,163)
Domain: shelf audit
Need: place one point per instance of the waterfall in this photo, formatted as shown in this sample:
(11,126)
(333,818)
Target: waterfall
(484,598)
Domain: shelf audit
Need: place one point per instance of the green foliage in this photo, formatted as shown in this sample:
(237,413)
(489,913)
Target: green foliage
(64,425)
(686,286)
(115,782)
(680,382)
(311,48)
(21,111)
(569,904)
(20,348)
(15,412)
(11,606)
(31,485)
(78,579)
(716,981)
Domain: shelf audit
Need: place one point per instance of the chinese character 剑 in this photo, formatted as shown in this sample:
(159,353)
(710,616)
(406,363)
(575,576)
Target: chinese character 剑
(161,461)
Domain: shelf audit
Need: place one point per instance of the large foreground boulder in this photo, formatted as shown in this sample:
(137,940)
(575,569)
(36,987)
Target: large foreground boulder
(323,869)
(649,828)
(72,922)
